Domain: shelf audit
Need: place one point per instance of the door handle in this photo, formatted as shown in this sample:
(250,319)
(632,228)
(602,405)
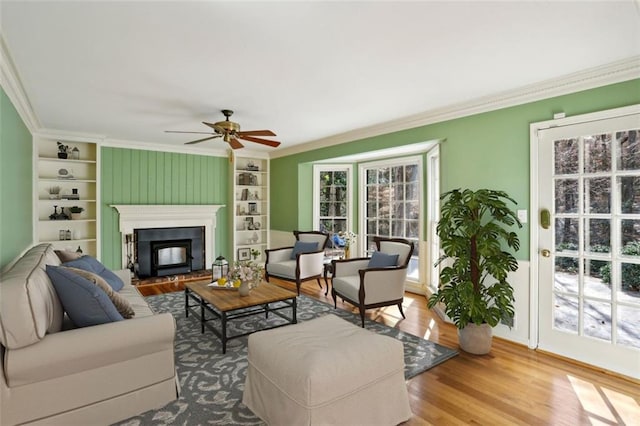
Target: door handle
(545,253)
(545,218)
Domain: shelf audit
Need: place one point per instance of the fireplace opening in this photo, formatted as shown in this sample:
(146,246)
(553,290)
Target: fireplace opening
(168,251)
(170,255)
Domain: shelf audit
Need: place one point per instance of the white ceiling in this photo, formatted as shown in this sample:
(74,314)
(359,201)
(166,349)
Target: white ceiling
(304,69)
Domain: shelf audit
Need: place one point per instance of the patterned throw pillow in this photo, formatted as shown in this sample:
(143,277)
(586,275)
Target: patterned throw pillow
(122,305)
(67,256)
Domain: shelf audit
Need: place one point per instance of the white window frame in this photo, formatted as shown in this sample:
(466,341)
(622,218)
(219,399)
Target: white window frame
(317,169)
(362,185)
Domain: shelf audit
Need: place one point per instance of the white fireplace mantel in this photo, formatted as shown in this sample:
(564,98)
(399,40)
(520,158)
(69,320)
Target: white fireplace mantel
(140,216)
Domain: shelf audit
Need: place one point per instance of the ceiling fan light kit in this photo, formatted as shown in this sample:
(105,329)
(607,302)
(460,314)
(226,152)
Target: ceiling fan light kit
(230,132)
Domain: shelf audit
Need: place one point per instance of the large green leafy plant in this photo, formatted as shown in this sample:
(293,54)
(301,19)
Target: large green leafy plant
(473,231)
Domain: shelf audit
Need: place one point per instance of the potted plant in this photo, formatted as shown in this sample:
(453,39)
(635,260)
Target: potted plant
(473,231)
(75,212)
(63,150)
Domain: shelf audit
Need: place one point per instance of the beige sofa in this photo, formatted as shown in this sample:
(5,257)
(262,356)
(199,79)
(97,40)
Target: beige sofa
(93,375)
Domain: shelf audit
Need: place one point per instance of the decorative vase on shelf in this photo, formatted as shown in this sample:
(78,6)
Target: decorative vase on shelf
(244,289)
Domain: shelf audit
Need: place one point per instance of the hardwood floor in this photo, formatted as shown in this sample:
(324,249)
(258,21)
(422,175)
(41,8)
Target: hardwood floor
(513,385)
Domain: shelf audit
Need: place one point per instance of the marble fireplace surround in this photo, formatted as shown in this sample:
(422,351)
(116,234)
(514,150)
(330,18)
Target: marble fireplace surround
(135,216)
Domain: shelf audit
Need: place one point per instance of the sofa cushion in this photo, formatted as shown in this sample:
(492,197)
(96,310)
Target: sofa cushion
(85,303)
(91,264)
(382,260)
(122,304)
(303,247)
(29,305)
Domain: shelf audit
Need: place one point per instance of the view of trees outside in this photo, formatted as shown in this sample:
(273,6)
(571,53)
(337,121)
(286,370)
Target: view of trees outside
(392,206)
(597,211)
(333,201)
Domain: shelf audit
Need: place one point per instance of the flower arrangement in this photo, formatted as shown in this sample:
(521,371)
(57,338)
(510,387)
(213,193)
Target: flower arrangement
(348,237)
(247,271)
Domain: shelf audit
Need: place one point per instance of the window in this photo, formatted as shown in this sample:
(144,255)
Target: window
(392,207)
(332,197)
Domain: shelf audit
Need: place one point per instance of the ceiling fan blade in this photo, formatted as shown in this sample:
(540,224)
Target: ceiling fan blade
(256,133)
(202,140)
(235,143)
(179,131)
(262,141)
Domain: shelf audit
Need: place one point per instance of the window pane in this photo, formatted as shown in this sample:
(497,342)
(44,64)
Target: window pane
(597,153)
(565,314)
(411,173)
(324,209)
(372,209)
(413,210)
(597,320)
(398,193)
(372,176)
(566,275)
(627,330)
(630,194)
(383,175)
(597,195)
(372,193)
(383,228)
(412,231)
(398,212)
(411,191)
(566,156)
(594,285)
(397,174)
(597,235)
(397,228)
(628,150)
(372,227)
(566,195)
(630,237)
(566,234)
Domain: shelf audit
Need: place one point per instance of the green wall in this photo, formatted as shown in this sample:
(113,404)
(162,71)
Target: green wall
(130,176)
(488,150)
(16,183)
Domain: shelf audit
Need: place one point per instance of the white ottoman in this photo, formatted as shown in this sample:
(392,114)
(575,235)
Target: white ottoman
(326,371)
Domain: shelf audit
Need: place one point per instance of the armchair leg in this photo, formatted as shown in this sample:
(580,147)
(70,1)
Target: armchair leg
(401,313)
(335,299)
(319,283)
(361,309)
(298,283)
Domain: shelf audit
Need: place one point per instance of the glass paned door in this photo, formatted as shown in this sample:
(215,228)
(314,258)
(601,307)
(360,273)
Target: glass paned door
(589,256)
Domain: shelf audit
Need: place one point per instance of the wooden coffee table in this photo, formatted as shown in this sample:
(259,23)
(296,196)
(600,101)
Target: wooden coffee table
(226,305)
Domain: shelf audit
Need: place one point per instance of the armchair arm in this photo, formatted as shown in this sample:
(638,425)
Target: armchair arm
(309,264)
(349,267)
(81,349)
(279,254)
(382,284)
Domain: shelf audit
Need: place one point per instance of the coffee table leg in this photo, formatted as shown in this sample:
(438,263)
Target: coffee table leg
(223,320)
(202,316)
(294,308)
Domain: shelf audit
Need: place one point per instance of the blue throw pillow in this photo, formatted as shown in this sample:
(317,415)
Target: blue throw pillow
(302,247)
(382,260)
(85,303)
(90,264)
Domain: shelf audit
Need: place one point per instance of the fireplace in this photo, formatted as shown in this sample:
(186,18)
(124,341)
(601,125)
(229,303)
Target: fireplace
(168,251)
(145,216)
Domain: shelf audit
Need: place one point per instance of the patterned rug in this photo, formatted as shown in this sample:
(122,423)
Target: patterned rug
(212,383)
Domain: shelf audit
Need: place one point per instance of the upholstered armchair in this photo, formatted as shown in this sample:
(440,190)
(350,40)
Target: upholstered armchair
(376,281)
(301,262)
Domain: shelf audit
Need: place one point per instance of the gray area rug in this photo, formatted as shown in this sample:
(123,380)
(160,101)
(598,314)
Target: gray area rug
(212,383)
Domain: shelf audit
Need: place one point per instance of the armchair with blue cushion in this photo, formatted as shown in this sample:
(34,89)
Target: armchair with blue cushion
(301,262)
(373,282)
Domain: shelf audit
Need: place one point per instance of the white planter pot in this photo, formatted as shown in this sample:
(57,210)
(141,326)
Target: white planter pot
(476,339)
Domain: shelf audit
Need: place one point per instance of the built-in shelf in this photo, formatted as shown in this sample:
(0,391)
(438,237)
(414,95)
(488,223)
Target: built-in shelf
(85,169)
(250,186)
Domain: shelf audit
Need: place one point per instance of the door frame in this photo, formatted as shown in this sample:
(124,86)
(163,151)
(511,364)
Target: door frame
(534,202)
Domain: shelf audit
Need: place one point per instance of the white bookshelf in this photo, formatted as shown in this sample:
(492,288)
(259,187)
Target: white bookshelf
(250,215)
(49,172)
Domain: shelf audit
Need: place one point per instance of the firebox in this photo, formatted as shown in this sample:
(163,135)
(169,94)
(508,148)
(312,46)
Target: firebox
(169,251)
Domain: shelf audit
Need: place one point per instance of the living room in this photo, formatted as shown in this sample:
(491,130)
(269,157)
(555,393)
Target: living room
(483,140)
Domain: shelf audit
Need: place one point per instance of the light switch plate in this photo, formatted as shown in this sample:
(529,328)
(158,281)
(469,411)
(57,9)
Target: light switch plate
(522,216)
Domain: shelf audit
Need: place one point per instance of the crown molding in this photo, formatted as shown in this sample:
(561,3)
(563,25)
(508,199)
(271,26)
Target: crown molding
(12,86)
(615,72)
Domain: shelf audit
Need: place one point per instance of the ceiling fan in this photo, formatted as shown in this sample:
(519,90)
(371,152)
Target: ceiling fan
(230,133)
